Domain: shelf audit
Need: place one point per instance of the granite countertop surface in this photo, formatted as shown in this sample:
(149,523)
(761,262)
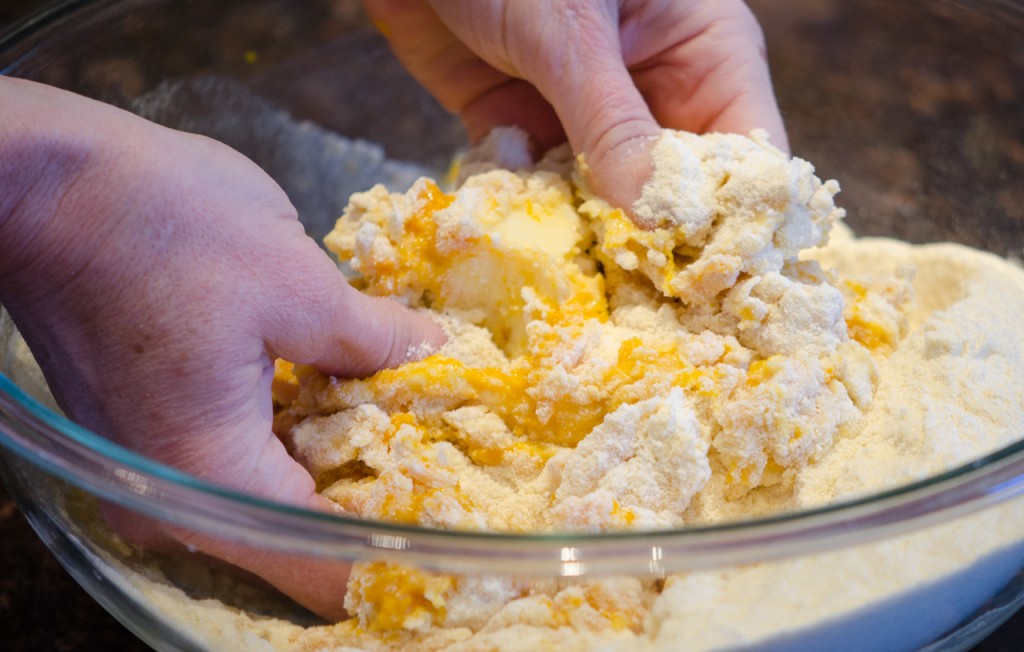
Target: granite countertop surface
(971,93)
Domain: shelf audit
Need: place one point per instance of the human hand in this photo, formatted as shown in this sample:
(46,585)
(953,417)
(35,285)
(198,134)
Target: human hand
(612,73)
(155,276)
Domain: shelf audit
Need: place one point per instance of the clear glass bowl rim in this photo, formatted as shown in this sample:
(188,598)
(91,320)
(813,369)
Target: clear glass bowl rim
(93,463)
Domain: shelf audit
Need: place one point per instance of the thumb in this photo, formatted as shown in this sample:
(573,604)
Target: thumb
(336,328)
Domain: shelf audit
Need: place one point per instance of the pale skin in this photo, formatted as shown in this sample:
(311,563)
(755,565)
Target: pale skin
(156,275)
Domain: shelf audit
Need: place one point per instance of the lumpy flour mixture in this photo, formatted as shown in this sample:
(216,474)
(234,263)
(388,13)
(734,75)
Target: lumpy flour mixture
(743,355)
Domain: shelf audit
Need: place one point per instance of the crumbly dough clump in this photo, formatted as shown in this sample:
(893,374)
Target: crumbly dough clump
(597,376)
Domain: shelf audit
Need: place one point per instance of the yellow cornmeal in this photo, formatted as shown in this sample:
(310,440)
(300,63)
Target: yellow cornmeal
(597,375)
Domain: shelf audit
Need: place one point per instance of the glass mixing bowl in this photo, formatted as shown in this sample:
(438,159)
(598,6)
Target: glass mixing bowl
(916,107)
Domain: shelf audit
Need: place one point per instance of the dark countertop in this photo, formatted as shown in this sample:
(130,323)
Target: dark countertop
(41,606)
(973,93)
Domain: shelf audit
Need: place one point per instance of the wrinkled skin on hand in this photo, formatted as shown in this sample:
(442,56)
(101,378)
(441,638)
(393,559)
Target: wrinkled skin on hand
(155,276)
(610,72)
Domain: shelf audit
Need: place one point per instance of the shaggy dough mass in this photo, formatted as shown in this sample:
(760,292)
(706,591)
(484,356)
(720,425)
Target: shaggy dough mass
(599,376)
